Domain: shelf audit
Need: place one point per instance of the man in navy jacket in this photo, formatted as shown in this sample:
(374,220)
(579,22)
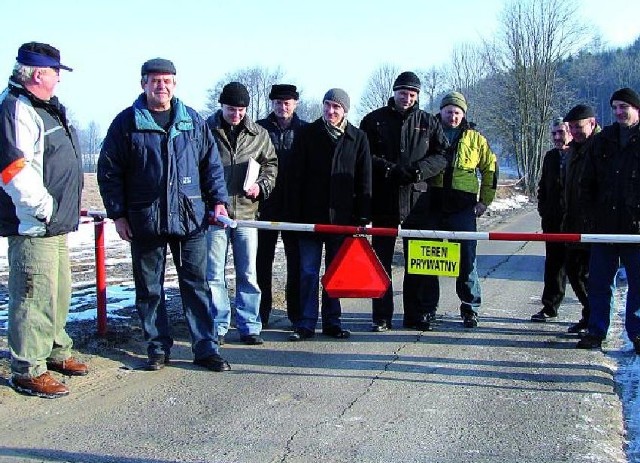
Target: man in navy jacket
(160,177)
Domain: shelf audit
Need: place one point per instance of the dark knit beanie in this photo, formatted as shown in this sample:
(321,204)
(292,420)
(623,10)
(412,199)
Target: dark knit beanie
(339,96)
(234,94)
(627,95)
(159,66)
(283,92)
(456,99)
(407,80)
(579,112)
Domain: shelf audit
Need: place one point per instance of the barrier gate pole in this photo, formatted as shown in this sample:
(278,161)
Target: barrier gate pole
(101,276)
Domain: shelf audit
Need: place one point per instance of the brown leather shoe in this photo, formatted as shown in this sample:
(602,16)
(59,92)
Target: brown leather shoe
(44,385)
(69,367)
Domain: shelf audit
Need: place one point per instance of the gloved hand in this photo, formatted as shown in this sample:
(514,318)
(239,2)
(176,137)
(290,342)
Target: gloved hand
(402,175)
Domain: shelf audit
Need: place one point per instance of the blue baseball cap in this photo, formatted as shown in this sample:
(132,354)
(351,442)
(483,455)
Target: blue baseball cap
(40,55)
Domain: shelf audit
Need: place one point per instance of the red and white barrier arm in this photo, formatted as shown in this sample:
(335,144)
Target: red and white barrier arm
(441,234)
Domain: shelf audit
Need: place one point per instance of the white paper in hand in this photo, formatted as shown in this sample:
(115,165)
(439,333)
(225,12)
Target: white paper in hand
(253,170)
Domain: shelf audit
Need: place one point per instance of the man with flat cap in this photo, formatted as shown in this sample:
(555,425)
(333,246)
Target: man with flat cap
(282,124)
(242,143)
(331,185)
(161,178)
(611,190)
(581,120)
(407,148)
(41,183)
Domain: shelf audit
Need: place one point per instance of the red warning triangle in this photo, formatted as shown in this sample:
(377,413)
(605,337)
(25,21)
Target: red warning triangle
(356,271)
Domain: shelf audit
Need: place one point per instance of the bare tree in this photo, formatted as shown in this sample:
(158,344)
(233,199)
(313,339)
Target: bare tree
(467,67)
(534,37)
(258,81)
(433,84)
(309,110)
(90,141)
(379,88)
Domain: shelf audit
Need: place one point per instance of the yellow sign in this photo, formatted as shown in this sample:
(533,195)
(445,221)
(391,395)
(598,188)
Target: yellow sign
(441,258)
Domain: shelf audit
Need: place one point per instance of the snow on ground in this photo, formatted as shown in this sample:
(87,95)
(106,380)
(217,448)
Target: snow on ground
(121,295)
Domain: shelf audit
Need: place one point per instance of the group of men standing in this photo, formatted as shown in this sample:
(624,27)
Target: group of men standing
(171,180)
(589,184)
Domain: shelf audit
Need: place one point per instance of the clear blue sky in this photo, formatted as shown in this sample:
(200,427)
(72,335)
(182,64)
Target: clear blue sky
(318,45)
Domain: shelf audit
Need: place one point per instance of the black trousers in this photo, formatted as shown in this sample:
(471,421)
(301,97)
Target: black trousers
(382,308)
(267,240)
(577,268)
(555,277)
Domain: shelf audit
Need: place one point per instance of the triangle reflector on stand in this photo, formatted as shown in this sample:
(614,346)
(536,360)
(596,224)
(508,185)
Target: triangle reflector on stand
(356,271)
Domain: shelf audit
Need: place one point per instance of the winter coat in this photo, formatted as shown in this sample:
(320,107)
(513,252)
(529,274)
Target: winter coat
(551,192)
(273,208)
(413,140)
(610,183)
(332,180)
(163,182)
(41,166)
(457,187)
(575,216)
(253,142)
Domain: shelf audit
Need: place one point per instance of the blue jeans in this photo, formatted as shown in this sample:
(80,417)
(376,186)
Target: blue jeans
(149,258)
(244,244)
(603,266)
(310,260)
(421,293)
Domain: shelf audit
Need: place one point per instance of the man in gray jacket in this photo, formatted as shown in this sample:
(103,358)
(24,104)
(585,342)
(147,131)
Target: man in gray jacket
(250,169)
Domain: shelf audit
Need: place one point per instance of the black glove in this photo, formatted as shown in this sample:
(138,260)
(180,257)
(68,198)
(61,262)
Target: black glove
(402,175)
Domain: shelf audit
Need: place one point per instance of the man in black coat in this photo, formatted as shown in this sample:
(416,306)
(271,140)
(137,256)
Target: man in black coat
(282,124)
(407,147)
(610,188)
(332,185)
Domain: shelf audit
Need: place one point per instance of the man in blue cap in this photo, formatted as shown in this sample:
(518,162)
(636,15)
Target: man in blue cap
(41,185)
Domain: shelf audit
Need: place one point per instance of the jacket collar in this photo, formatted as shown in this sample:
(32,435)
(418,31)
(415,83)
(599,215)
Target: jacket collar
(248,124)
(181,122)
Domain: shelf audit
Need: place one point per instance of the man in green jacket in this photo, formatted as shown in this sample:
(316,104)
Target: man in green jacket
(458,198)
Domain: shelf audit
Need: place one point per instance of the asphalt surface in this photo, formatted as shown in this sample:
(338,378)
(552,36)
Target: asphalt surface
(507,391)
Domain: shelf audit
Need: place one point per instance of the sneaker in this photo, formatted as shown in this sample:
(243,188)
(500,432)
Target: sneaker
(636,344)
(213,362)
(470,319)
(420,325)
(45,386)
(336,332)
(300,334)
(69,367)
(578,328)
(252,339)
(542,316)
(156,362)
(380,326)
(590,341)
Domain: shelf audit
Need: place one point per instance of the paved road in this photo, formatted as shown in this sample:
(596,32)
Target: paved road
(508,391)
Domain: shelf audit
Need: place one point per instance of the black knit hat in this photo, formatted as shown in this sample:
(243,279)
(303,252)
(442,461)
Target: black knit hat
(579,112)
(234,94)
(627,95)
(283,92)
(159,66)
(38,54)
(407,80)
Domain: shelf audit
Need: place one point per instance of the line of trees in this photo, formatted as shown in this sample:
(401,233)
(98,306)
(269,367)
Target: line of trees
(540,63)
